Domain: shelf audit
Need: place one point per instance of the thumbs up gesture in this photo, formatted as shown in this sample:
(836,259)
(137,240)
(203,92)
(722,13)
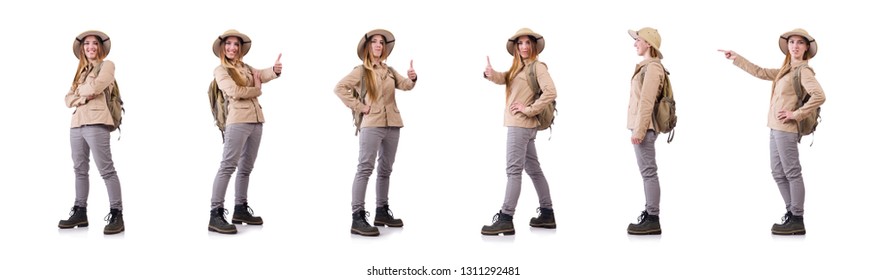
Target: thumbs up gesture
(411,73)
(277,65)
(489,70)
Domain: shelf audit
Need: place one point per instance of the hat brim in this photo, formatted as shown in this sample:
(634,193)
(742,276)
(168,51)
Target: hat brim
(389,42)
(246,44)
(78,41)
(811,49)
(634,35)
(540,42)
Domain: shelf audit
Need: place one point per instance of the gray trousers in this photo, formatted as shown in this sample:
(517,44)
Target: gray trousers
(381,141)
(521,156)
(785,165)
(241,148)
(98,139)
(645,153)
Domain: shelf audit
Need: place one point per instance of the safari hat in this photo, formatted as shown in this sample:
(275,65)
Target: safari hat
(650,35)
(244,45)
(389,42)
(103,38)
(540,42)
(783,41)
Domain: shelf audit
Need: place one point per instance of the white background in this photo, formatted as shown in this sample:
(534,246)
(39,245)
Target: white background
(718,198)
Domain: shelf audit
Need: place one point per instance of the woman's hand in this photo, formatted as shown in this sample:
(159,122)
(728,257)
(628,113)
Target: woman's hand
(489,70)
(731,55)
(412,73)
(785,116)
(517,107)
(257,79)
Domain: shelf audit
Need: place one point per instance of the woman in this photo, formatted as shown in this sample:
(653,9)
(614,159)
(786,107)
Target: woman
(521,108)
(645,85)
(785,165)
(91,127)
(242,85)
(380,127)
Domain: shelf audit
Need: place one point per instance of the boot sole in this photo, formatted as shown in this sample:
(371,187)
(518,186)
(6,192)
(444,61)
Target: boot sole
(213,229)
(115,231)
(387,224)
(354,231)
(74,225)
(544,225)
(240,222)
(504,232)
(646,232)
(796,232)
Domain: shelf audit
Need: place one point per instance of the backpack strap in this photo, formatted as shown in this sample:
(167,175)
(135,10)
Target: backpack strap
(802,94)
(662,93)
(108,96)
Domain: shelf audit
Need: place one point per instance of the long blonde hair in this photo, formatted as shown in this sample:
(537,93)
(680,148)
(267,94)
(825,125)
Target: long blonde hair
(232,64)
(368,72)
(84,62)
(787,63)
(517,64)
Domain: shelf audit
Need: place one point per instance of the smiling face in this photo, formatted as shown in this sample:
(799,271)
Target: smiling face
(641,46)
(377,46)
(797,47)
(91,47)
(232,47)
(525,46)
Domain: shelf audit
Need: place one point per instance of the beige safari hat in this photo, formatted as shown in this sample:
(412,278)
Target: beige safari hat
(649,34)
(244,46)
(105,40)
(783,41)
(389,42)
(540,42)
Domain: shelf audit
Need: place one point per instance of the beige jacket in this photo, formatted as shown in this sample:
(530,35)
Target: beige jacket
(521,92)
(643,95)
(243,102)
(89,98)
(783,96)
(383,110)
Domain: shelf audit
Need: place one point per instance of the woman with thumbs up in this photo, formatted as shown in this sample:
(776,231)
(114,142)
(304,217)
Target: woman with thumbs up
(368,90)
(242,85)
(521,108)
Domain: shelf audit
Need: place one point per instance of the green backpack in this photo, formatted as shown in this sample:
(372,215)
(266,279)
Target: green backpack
(218,103)
(112,98)
(807,125)
(357,116)
(546,116)
(664,111)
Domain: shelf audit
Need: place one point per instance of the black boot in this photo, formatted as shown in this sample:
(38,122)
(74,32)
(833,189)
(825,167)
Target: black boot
(647,224)
(545,219)
(791,225)
(244,214)
(115,222)
(77,218)
(384,217)
(218,223)
(360,225)
(501,224)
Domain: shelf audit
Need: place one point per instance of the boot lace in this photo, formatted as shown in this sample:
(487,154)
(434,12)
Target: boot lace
(248,209)
(111,217)
(496,218)
(642,217)
(786,217)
